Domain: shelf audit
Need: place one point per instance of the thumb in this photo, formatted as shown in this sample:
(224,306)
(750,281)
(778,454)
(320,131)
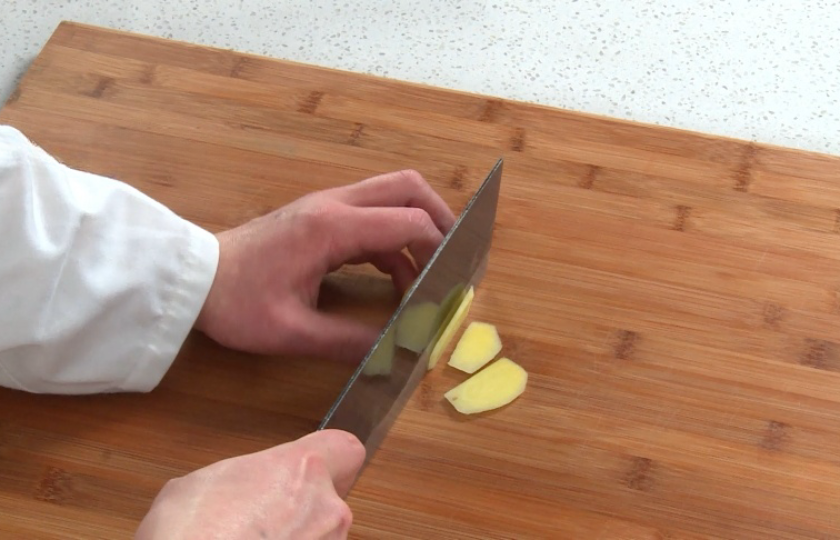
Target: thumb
(336,337)
(342,452)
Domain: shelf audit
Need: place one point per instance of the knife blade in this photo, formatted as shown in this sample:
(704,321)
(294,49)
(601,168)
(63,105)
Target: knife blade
(387,377)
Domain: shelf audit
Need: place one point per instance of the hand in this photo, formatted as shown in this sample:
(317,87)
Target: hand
(291,491)
(264,297)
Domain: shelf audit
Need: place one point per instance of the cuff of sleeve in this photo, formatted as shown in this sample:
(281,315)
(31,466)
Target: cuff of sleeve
(185,298)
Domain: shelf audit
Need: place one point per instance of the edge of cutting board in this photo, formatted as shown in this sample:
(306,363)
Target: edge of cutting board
(600,117)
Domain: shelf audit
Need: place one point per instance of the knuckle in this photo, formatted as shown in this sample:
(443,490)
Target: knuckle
(317,216)
(320,225)
(355,449)
(287,327)
(415,216)
(285,321)
(344,439)
(342,515)
(309,220)
(172,485)
(312,465)
(412,177)
(419,219)
(175,487)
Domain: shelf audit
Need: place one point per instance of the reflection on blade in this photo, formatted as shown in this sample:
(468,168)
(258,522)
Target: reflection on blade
(416,326)
(386,379)
(381,360)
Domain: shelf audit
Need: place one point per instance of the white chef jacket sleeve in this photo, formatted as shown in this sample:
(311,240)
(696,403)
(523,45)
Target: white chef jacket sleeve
(99,284)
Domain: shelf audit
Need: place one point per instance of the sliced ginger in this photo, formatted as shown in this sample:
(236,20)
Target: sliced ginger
(451,328)
(383,357)
(415,326)
(479,344)
(495,386)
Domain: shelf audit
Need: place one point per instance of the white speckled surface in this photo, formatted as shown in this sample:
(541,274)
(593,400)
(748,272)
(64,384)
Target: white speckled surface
(763,70)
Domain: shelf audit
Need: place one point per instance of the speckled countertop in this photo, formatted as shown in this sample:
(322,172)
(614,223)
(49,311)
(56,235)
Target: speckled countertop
(763,70)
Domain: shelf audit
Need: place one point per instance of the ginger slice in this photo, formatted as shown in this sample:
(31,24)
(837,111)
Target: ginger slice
(493,387)
(479,344)
(451,328)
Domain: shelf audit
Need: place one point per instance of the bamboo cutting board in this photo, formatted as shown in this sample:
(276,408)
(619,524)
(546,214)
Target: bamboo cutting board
(674,296)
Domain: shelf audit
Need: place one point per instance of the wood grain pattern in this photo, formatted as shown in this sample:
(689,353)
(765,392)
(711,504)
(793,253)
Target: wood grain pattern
(674,296)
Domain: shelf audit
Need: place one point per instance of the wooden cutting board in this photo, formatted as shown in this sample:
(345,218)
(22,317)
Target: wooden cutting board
(674,296)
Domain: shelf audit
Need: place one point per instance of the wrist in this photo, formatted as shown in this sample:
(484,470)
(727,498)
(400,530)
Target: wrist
(205,313)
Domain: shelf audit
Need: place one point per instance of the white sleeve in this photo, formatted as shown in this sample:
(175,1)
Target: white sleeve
(99,284)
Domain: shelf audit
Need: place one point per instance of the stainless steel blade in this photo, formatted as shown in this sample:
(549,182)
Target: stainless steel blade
(372,399)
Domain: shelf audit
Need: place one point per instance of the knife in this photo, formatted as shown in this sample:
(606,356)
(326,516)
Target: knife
(387,377)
